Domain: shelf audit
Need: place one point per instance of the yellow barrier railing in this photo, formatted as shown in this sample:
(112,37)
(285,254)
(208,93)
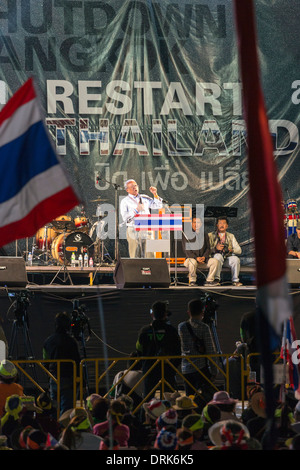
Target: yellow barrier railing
(101,373)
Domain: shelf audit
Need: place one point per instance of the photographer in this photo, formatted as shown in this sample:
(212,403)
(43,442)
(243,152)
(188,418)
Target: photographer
(225,248)
(61,345)
(203,344)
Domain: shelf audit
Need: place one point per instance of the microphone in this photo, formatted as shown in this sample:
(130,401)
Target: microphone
(141,202)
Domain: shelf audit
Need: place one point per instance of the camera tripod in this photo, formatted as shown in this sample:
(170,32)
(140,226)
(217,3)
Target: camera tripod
(20,347)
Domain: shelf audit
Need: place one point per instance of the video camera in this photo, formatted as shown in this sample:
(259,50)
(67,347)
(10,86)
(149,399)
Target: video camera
(211,307)
(79,320)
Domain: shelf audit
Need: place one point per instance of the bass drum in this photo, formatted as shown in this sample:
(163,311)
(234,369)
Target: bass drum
(44,237)
(77,242)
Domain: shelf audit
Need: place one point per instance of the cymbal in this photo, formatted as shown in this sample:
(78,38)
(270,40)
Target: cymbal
(98,200)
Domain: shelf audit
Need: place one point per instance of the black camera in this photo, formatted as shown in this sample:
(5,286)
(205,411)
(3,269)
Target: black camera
(79,321)
(210,309)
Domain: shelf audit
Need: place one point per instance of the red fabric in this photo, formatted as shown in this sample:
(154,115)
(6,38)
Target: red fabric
(265,191)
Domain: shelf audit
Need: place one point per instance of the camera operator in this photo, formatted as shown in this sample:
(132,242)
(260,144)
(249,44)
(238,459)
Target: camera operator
(61,345)
(189,347)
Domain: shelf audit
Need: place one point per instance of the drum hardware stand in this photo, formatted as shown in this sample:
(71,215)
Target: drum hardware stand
(116,188)
(64,265)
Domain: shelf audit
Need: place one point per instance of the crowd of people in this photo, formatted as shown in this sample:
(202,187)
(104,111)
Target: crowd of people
(167,420)
(177,422)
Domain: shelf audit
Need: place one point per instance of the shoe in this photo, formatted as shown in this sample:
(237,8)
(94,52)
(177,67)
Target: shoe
(237,284)
(192,284)
(212,284)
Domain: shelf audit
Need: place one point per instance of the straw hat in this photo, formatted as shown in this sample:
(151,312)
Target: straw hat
(184,403)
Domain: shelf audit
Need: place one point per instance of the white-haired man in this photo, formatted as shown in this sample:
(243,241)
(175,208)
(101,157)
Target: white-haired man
(135,203)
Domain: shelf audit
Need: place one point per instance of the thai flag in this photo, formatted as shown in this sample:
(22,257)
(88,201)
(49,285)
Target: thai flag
(34,187)
(290,353)
(273,304)
(171,222)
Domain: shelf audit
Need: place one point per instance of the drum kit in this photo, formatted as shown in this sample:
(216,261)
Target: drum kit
(55,243)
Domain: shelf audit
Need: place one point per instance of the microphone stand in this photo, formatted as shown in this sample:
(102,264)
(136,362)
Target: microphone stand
(116,188)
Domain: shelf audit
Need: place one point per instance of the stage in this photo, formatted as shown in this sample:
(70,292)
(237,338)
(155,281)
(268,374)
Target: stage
(115,315)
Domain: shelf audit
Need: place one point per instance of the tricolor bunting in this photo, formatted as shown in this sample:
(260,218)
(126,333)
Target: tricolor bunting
(171,222)
(273,304)
(34,187)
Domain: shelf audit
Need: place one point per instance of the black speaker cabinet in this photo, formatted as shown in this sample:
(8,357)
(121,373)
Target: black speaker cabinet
(293,271)
(13,272)
(142,272)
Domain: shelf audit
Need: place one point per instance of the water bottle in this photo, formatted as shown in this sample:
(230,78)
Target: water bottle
(80,261)
(29,260)
(86,260)
(91,262)
(73,259)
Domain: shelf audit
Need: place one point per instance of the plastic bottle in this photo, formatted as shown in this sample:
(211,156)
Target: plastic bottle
(91,262)
(29,259)
(73,259)
(80,260)
(86,260)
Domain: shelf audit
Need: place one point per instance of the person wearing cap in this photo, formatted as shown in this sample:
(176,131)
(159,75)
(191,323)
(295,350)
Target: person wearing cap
(159,338)
(189,348)
(293,244)
(131,205)
(8,383)
(195,424)
(62,346)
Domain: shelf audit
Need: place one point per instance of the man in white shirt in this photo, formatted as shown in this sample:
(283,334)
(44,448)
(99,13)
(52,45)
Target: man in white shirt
(135,203)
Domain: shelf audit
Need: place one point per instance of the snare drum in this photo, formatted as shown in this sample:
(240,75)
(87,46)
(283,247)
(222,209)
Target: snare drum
(77,242)
(63,218)
(44,237)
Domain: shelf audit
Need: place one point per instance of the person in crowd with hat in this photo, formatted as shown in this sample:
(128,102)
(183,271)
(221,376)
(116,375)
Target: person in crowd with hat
(254,415)
(8,383)
(113,424)
(185,439)
(47,418)
(168,419)
(229,435)
(226,405)
(59,346)
(78,434)
(153,410)
(158,338)
(195,424)
(166,440)
(184,406)
(188,331)
(293,244)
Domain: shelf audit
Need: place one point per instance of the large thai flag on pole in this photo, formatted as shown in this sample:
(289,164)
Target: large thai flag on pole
(273,305)
(34,187)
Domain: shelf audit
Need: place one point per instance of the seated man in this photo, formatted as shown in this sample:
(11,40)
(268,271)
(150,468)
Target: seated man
(293,244)
(197,254)
(225,248)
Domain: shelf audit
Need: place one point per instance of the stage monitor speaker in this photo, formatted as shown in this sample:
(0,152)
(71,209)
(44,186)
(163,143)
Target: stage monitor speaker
(141,272)
(293,271)
(13,272)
